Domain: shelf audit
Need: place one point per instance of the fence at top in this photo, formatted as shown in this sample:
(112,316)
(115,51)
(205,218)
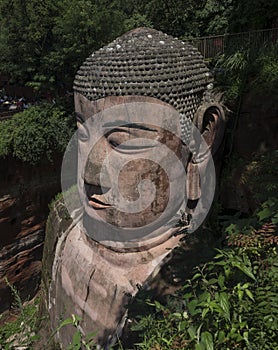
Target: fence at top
(212,46)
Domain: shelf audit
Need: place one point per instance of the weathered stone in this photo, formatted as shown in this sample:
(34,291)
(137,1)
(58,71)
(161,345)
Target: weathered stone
(98,261)
(25,192)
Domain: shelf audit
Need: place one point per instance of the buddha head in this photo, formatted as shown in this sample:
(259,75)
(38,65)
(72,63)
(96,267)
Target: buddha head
(148,123)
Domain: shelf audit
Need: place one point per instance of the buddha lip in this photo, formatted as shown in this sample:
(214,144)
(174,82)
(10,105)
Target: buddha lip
(97,203)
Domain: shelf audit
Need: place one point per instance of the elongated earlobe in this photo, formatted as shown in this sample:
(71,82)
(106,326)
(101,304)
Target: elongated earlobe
(210,120)
(193,187)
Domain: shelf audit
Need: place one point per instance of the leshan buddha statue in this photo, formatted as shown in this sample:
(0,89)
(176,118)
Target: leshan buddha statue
(148,126)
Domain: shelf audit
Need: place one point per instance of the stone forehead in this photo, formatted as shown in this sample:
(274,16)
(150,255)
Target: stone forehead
(146,62)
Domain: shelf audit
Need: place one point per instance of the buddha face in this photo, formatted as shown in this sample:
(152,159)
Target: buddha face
(131,173)
(136,178)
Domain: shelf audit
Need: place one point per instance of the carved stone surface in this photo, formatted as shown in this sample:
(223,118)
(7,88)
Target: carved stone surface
(147,62)
(99,284)
(144,86)
(25,192)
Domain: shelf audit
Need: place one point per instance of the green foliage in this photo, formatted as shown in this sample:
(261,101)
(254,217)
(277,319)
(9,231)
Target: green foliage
(267,67)
(213,17)
(247,69)
(79,340)
(55,200)
(20,332)
(25,28)
(70,195)
(137,20)
(6,138)
(35,134)
(172,17)
(82,27)
(229,302)
(252,14)
(232,70)
(43,43)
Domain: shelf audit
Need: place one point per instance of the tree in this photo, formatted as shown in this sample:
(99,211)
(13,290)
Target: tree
(25,36)
(253,14)
(44,42)
(82,27)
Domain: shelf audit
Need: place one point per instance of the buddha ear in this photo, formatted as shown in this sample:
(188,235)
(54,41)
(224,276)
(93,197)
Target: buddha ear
(210,120)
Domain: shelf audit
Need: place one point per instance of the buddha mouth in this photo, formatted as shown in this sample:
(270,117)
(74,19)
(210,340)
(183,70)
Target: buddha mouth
(95,196)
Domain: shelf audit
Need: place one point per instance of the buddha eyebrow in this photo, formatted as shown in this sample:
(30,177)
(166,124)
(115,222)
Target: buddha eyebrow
(124,124)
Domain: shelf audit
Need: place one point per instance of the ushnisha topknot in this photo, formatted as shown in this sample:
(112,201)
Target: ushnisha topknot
(147,62)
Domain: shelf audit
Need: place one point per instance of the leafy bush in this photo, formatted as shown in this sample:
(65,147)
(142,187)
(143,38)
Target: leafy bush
(21,331)
(248,69)
(267,65)
(230,302)
(6,138)
(36,134)
(79,340)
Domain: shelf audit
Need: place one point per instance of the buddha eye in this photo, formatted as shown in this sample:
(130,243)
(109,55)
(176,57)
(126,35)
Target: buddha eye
(125,142)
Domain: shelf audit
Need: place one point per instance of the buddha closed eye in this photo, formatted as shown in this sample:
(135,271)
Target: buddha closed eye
(132,138)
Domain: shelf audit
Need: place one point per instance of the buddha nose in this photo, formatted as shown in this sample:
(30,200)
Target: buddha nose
(96,169)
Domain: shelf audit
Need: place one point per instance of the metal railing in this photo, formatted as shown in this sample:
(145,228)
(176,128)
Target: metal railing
(212,46)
